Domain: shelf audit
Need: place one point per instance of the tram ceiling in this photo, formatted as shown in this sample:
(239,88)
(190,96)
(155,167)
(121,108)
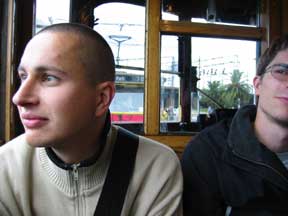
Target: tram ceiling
(82,11)
(227,11)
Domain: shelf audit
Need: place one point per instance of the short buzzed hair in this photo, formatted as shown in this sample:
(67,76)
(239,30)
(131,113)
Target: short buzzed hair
(96,55)
(276,46)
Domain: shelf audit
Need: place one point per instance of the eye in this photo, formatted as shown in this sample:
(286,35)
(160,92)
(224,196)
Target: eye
(280,70)
(50,79)
(22,76)
(283,71)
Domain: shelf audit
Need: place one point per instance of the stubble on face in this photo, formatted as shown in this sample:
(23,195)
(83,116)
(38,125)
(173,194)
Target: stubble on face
(270,107)
(283,122)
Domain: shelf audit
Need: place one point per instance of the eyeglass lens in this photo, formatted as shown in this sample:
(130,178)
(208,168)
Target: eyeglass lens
(280,72)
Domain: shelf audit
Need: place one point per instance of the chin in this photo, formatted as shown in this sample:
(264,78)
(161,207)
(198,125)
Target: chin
(37,141)
(282,120)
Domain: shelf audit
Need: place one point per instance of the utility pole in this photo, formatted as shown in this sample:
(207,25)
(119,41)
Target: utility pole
(119,39)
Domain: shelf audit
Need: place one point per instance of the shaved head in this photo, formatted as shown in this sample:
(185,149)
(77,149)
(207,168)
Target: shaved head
(93,51)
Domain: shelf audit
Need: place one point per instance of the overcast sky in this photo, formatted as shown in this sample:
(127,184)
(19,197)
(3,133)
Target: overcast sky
(57,9)
(129,20)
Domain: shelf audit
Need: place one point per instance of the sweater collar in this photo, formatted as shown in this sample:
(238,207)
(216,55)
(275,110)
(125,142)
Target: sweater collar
(85,163)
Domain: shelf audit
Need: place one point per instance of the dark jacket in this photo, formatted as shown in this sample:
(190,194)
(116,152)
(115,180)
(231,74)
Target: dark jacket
(226,169)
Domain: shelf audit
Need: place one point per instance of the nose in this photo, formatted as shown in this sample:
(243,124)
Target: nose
(26,95)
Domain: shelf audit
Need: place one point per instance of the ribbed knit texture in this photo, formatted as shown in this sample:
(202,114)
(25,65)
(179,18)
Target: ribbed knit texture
(32,185)
(88,177)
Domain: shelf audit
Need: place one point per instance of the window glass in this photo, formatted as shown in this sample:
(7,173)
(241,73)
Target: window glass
(241,12)
(123,27)
(51,12)
(170,82)
(223,70)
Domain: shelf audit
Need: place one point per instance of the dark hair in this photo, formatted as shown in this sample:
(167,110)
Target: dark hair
(96,56)
(276,46)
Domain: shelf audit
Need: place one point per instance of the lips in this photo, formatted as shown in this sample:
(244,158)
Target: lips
(32,121)
(283,99)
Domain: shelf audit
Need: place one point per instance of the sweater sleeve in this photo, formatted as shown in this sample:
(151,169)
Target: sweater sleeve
(157,185)
(169,199)
(201,191)
(3,210)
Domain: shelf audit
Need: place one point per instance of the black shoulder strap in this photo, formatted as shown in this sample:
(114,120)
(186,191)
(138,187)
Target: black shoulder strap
(119,173)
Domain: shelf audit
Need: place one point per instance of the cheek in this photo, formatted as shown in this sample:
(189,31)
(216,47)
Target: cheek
(267,87)
(74,105)
(267,93)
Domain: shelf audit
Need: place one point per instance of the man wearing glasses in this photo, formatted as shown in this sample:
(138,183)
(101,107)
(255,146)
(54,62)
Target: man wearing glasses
(239,166)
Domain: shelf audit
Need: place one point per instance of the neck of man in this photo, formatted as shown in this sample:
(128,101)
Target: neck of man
(83,146)
(270,133)
(75,155)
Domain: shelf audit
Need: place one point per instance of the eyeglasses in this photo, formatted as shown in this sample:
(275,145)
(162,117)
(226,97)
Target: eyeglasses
(278,71)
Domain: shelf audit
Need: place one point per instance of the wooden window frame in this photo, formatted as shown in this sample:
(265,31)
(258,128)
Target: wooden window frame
(155,27)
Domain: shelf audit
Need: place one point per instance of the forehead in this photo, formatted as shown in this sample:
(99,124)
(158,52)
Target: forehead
(58,41)
(281,57)
(51,48)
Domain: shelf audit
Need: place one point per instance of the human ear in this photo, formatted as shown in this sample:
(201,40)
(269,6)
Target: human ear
(257,81)
(105,94)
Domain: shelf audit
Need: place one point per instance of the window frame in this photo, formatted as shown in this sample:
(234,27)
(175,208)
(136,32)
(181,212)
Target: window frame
(156,28)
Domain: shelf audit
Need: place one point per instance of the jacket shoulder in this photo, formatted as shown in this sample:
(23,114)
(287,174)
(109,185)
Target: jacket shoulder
(212,139)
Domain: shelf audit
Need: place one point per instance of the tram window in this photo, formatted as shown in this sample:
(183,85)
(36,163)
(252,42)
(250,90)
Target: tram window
(224,68)
(225,71)
(170,82)
(51,12)
(123,27)
(243,12)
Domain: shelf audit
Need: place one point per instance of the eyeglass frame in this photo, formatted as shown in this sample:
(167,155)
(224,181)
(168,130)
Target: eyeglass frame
(284,66)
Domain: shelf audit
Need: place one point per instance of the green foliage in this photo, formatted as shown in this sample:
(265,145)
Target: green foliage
(216,91)
(231,95)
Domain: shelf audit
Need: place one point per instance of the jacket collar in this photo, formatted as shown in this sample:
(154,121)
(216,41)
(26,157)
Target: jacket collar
(241,137)
(250,153)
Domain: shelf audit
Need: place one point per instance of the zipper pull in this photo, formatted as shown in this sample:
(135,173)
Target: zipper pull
(75,171)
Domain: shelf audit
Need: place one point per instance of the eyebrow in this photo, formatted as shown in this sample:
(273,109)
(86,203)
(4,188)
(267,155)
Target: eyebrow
(282,65)
(43,69)
(277,64)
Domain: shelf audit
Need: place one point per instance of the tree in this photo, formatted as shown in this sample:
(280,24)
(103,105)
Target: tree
(215,91)
(231,95)
(237,92)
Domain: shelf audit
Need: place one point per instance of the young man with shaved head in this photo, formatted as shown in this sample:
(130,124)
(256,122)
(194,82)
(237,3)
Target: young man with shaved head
(239,166)
(70,160)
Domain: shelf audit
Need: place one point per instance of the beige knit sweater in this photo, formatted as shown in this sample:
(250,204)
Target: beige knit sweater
(32,185)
